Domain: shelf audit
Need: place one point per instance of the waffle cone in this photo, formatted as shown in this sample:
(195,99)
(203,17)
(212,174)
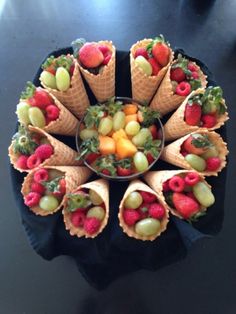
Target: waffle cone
(165,100)
(176,126)
(74,176)
(156,179)
(75,98)
(171,153)
(101,187)
(102,84)
(134,186)
(144,86)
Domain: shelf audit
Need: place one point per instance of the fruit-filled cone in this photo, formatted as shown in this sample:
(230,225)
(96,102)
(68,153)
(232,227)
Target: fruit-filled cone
(44,189)
(201,109)
(175,87)
(97,62)
(39,108)
(202,151)
(86,209)
(142,213)
(61,77)
(185,193)
(147,68)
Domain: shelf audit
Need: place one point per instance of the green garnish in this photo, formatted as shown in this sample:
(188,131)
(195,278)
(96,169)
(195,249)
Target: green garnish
(212,100)
(201,141)
(23,142)
(113,106)
(149,116)
(153,147)
(29,91)
(94,115)
(75,201)
(106,163)
(88,146)
(53,185)
(124,163)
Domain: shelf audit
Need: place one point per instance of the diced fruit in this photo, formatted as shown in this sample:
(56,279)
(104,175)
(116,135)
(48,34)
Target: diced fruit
(118,121)
(140,139)
(41,175)
(196,162)
(148,197)
(125,148)
(156,211)
(185,205)
(130,109)
(193,114)
(106,145)
(209,121)
(22,162)
(155,66)
(118,135)
(88,133)
(192,178)
(90,56)
(77,218)
(91,225)
(141,52)
(177,74)
(33,161)
(196,144)
(131,117)
(32,199)
(97,212)
(36,117)
(48,203)
(131,216)
(211,152)
(213,163)
(141,62)
(183,89)
(95,198)
(133,200)
(48,79)
(105,126)
(147,227)
(176,184)
(22,111)
(132,128)
(140,162)
(203,194)
(62,79)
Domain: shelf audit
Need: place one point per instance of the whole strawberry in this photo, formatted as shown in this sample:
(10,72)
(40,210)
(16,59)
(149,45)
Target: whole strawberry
(185,205)
(160,50)
(177,74)
(192,114)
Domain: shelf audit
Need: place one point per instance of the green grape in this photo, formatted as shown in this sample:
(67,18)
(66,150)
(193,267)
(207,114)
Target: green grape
(62,79)
(48,79)
(211,152)
(37,117)
(95,198)
(133,200)
(105,126)
(88,133)
(140,139)
(144,65)
(48,202)
(140,162)
(97,212)
(22,111)
(203,194)
(118,121)
(132,128)
(196,162)
(147,227)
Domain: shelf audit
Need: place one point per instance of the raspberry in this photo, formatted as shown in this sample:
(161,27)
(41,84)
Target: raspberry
(183,89)
(177,75)
(148,197)
(183,152)
(213,163)
(91,225)
(141,52)
(131,216)
(165,186)
(192,178)
(107,58)
(157,211)
(22,162)
(32,199)
(177,184)
(195,75)
(143,210)
(192,67)
(37,187)
(41,175)
(44,151)
(52,112)
(104,49)
(208,120)
(77,218)
(33,161)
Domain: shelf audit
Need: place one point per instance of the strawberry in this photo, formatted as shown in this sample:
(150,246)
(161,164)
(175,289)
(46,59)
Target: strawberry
(209,120)
(155,66)
(52,112)
(185,205)
(192,67)
(124,167)
(195,75)
(193,113)
(123,172)
(91,157)
(177,74)
(152,149)
(42,98)
(148,197)
(61,188)
(196,144)
(106,172)
(104,49)
(72,68)
(213,163)
(107,58)
(153,129)
(131,216)
(77,218)
(160,50)
(150,158)
(141,52)
(183,89)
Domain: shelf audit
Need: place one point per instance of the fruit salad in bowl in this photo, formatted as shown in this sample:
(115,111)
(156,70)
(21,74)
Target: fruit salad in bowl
(120,139)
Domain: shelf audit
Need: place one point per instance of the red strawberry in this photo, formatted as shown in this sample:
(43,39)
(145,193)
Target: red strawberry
(123,172)
(44,151)
(41,175)
(195,144)
(77,218)
(72,68)
(150,158)
(213,163)
(193,114)
(155,66)
(183,89)
(91,225)
(156,211)
(22,162)
(177,74)
(33,161)
(131,216)
(61,188)
(185,205)
(192,67)
(154,131)
(106,172)
(161,53)
(91,157)
(104,49)
(176,184)
(209,120)
(32,199)
(51,69)
(195,75)
(37,187)
(141,52)
(192,178)
(52,112)
(148,197)
(107,58)
(42,98)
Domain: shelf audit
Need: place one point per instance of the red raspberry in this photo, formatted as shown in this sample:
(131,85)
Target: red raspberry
(148,197)
(183,89)
(183,152)
(177,75)
(165,186)
(41,175)
(77,218)
(157,211)
(104,49)
(91,225)
(37,187)
(192,178)
(42,98)
(32,199)
(107,58)
(143,210)
(192,67)
(209,120)
(177,184)
(195,75)
(213,163)
(44,151)
(33,161)
(141,52)
(22,162)
(52,112)
(131,216)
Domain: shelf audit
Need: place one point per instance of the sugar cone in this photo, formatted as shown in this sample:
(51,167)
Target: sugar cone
(176,126)
(171,153)
(75,98)
(137,185)
(156,179)
(101,187)
(103,84)
(144,86)
(165,100)
(74,176)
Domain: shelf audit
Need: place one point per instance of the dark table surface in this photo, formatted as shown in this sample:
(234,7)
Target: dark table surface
(205,281)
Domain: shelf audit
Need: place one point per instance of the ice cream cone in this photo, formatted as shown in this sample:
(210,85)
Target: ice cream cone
(74,177)
(75,98)
(137,185)
(101,187)
(144,86)
(171,153)
(102,84)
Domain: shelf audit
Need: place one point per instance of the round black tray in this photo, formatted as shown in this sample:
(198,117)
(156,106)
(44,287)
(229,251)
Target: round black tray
(113,253)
